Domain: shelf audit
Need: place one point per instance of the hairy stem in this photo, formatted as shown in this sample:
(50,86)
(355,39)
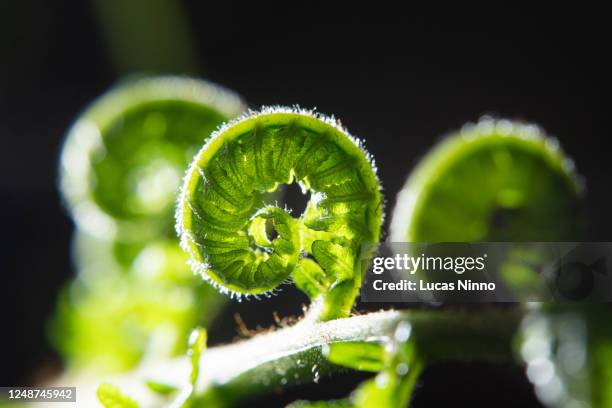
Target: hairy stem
(292,356)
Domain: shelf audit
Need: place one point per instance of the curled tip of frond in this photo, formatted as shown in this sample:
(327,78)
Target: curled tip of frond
(487,126)
(216,140)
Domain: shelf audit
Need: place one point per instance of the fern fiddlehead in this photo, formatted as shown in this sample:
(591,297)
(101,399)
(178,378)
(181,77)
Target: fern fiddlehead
(122,159)
(222,221)
(120,172)
(496,180)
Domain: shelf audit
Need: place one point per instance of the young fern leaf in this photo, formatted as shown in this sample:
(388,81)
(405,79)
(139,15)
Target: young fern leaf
(121,167)
(395,359)
(197,346)
(224,226)
(357,355)
(496,180)
(112,397)
(123,157)
(392,387)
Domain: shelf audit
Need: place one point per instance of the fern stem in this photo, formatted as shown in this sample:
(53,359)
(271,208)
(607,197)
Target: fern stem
(293,356)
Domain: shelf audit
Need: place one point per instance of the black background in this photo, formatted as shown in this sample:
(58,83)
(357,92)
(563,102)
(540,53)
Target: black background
(400,78)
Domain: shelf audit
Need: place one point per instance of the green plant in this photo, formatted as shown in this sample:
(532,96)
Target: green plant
(496,180)
(120,171)
(124,156)
(222,221)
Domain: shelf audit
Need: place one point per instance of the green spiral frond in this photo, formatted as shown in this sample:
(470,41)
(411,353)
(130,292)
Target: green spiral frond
(224,224)
(496,180)
(123,158)
(120,172)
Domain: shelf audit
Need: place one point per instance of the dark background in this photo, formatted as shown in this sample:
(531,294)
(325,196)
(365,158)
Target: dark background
(398,78)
